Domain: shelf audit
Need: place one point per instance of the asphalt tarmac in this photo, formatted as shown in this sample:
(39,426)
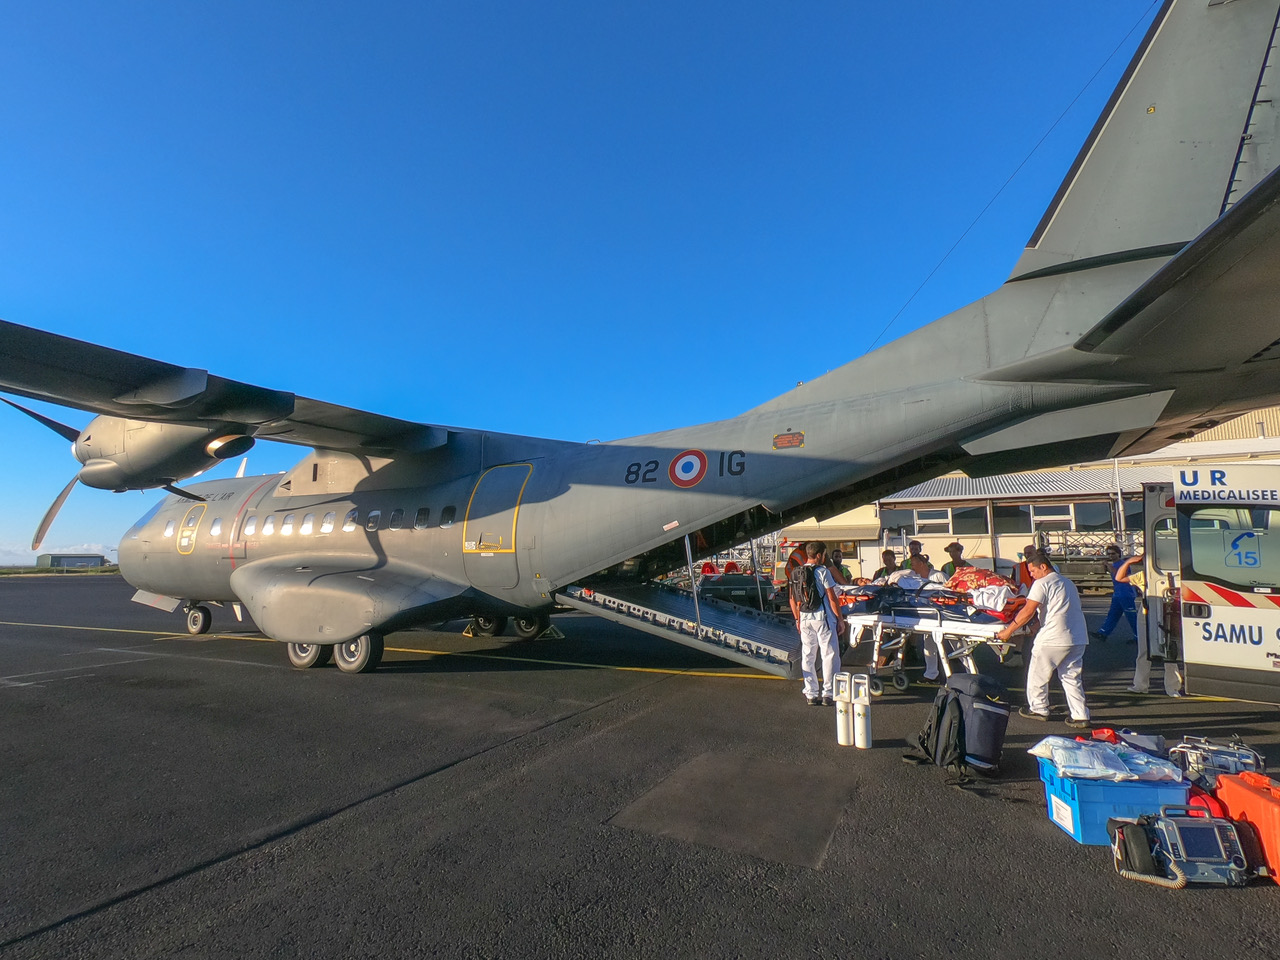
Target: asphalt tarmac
(604,795)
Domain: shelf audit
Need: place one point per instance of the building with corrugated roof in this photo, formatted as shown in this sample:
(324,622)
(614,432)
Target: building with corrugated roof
(994,518)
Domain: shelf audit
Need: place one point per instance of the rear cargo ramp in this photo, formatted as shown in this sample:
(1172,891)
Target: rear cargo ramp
(760,640)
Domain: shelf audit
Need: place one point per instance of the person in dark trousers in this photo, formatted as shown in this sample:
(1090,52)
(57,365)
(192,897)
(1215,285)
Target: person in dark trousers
(1122,599)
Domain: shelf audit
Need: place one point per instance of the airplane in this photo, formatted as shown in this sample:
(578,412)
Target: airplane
(1143,309)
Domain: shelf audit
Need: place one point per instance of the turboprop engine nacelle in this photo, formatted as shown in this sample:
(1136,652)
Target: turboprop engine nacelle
(123,454)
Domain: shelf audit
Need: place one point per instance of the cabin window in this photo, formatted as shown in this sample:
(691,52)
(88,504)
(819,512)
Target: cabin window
(396,520)
(250,527)
(375,517)
(447,515)
(351,522)
(191,520)
(269,525)
(169,527)
(215,528)
(308,522)
(326,525)
(286,525)
(422,519)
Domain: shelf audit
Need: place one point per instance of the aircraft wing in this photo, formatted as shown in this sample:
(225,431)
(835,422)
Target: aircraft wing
(73,373)
(1211,308)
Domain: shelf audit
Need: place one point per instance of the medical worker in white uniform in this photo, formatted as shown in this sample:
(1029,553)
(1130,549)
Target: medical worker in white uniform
(1059,646)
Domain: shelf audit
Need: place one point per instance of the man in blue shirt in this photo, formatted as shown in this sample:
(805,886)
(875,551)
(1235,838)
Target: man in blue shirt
(1122,599)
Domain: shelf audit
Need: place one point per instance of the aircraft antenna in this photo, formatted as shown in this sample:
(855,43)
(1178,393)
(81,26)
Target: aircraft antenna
(1008,180)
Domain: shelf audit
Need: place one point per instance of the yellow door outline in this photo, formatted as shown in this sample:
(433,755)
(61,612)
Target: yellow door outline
(187,530)
(509,545)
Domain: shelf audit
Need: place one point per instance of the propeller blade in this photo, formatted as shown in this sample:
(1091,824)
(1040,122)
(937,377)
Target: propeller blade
(53,509)
(184,493)
(69,433)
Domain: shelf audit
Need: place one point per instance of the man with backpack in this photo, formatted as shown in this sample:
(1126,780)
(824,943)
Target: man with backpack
(817,611)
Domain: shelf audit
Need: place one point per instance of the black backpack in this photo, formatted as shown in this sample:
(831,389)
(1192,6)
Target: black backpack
(965,726)
(804,587)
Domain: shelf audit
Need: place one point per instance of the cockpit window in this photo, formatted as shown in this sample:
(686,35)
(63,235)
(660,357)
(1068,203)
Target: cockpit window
(144,520)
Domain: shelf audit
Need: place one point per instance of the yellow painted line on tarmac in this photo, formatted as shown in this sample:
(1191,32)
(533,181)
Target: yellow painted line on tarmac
(427,653)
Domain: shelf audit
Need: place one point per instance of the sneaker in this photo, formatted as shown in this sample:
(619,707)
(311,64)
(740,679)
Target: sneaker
(1134,690)
(1031,714)
(931,681)
(1079,724)
(1099,636)
(828,702)
(815,701)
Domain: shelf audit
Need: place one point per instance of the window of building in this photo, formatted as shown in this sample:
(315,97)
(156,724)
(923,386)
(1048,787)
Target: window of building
(215,528)
(250,527)
(375,518)
(308,523)
(351,521)
(1135,515)
(269,525)
(170,527)
(898,521)
(396,520)
(1095,516)
(969,521)
(326,524)
(286,525)
(1011,518)
(422,519)
(447,515)
(1051,516)
(934,520)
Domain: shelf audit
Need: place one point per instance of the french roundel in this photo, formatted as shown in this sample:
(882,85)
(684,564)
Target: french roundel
(688,468)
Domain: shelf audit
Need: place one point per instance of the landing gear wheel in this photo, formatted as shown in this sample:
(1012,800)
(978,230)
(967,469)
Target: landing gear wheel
(876,687)
(529,627)
(488,626)
(901,682)
(361,655)
(304,655)
(198,620)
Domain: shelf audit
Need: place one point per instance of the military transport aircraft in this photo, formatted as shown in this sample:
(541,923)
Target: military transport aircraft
(1145,307)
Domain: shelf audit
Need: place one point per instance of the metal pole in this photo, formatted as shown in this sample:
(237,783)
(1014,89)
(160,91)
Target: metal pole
(697,611)
(1115,467)
(755,572)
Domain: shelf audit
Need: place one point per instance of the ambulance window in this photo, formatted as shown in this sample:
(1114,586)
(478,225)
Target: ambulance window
(250,527)
(269,525)
(396,521)
(423,518)
(215,528)
(286,525)
(375,518)
(1233,546)
(168,528)
(308,522)
(447,515)
(1164,534)
(326,525)
(351,522)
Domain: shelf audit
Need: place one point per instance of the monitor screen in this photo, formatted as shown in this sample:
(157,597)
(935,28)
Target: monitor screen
(1200,843)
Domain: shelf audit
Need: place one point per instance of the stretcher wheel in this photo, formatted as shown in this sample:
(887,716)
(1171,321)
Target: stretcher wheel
(876,687)
(900,682)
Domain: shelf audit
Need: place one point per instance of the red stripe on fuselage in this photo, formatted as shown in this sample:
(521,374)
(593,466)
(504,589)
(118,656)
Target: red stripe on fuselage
(235,524)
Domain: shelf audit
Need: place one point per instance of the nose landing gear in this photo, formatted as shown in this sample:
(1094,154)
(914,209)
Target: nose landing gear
(198,619)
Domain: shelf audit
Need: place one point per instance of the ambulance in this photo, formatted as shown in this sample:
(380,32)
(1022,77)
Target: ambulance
(1213,578)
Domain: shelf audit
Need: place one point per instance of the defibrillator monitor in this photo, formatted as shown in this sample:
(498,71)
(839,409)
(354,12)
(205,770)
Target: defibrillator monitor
(1208,849)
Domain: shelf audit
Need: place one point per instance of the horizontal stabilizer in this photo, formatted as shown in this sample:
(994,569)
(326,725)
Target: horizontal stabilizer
(1075,423)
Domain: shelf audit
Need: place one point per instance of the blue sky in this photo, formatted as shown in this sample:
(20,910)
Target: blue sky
(569,219)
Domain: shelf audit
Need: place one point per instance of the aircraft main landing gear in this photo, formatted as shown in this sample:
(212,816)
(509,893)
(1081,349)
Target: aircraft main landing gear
(361,655)
(198,619)
(529,627)
(488,626)
(304,655)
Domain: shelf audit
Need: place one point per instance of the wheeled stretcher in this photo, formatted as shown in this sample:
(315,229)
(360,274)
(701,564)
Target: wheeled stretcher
(955,629)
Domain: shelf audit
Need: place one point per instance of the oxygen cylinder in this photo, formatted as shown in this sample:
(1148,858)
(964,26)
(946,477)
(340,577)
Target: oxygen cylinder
(861,686)
(844,709)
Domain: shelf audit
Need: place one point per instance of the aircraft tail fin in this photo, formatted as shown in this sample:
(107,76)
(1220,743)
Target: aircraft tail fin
(1189,129)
